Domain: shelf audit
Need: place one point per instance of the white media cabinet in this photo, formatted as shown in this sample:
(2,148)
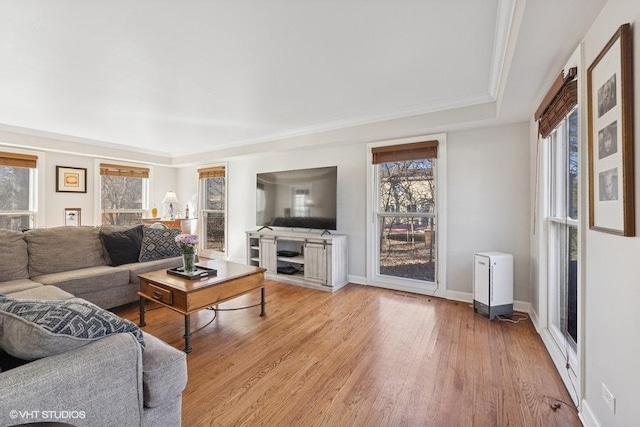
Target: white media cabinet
(318,261)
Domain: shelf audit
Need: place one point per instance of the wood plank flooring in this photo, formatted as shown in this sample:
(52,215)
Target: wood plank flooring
(362,356)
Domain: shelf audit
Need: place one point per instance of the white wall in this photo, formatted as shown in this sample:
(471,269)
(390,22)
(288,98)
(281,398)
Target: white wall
(489,206)
(52,203)
(241,173)
(56,202)
(488,194)
(612,288)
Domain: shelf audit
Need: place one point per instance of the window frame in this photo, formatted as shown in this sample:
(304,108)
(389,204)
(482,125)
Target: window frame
(439,287)
(146,190)
(211,253)
(556,221)
(36,184)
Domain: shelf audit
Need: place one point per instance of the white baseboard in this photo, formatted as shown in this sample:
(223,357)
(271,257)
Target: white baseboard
(535,319)
(460,296)
(519,306)
(358,280)
(586,415)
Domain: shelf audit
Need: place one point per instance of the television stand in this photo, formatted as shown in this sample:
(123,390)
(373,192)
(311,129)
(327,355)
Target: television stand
(317,261)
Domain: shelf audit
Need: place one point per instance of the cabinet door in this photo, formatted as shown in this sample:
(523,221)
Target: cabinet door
(315,262)
(268,253)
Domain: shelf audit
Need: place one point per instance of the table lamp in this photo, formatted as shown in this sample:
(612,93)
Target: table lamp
(171,198)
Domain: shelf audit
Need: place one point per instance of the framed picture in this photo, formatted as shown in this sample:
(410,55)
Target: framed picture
(610,128)
(72,216)
(71,180)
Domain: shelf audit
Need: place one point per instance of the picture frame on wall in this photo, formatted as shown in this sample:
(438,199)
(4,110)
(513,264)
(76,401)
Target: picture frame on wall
(71,180)
(610,132)
(72,217)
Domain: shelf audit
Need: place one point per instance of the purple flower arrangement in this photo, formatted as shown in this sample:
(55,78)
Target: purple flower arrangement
(187,243)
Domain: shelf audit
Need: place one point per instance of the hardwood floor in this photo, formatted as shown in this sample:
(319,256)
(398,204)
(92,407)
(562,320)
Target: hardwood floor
(362,356)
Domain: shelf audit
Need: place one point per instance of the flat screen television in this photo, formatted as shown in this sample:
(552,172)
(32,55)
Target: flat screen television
(302,198)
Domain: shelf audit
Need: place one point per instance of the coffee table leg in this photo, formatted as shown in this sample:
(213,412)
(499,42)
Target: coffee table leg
(187,333)
(263,303)
(142,322)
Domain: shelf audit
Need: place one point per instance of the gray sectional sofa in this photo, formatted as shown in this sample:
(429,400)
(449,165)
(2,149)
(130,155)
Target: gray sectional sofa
(73,259)
(112,380)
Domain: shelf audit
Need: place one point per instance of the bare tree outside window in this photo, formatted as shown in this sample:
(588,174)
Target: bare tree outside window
(214,213)
(15,197)
(122,200)
(406,215)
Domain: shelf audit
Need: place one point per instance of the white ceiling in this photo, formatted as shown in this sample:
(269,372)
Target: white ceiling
(186,77)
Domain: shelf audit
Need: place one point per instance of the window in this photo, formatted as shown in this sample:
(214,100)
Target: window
(405,211)
(17,190)
(558,125)
(301,202)
(213,196)
(124,194)
(563,231)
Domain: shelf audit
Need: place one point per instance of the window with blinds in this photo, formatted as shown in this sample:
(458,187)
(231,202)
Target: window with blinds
(124,193)
(405,210)
(557,119)
(17,190)
(213,200)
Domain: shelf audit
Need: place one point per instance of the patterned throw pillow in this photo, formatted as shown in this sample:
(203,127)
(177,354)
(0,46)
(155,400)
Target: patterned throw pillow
(33,329)
(159,244)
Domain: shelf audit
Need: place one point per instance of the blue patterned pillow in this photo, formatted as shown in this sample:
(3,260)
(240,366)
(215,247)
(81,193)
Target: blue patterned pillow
(33,329)
(159,244)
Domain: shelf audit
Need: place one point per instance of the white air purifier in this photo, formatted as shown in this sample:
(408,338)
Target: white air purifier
(493,284)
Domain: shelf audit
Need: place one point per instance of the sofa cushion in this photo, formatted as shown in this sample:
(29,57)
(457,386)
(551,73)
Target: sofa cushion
(33,329)
(85,280)
(123,247)
(14,259)
(52,250)
(112,297)
(17,285)
(159,243)
(43,293)
(164,372)
(145,267)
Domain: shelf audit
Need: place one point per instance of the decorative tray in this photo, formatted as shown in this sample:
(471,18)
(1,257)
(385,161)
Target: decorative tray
(198,273)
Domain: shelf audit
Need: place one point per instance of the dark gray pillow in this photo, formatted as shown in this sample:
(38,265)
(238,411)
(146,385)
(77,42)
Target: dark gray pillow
(33,329)
(159,244)
(123,247)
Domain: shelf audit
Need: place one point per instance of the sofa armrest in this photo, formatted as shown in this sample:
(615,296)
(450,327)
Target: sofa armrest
(164,372)
(97,384)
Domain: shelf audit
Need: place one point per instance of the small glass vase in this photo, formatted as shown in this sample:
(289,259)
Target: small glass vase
(189,262)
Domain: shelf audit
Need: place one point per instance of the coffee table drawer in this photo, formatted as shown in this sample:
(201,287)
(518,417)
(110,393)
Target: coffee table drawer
(159,294)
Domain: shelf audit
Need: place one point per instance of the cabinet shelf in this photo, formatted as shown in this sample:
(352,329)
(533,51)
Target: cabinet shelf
(292,259)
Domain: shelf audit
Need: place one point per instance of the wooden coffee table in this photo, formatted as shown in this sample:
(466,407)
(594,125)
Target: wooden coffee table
(187,296)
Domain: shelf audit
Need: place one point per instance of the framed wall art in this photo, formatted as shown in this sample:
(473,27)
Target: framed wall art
(71,180)
(610,128)
(72,216)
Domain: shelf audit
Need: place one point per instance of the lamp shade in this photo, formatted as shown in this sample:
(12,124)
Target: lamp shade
(170,197)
